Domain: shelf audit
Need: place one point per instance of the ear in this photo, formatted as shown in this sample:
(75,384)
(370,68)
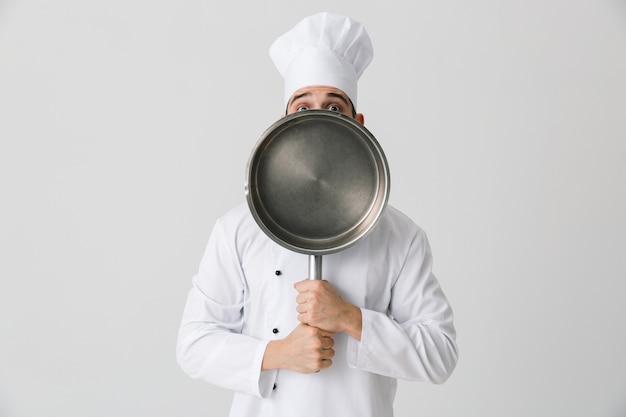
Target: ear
(360,118)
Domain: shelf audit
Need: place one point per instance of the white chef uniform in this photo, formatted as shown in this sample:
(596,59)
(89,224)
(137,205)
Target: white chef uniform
(243,297)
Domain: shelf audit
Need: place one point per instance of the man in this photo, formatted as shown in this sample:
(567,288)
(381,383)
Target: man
(291,346)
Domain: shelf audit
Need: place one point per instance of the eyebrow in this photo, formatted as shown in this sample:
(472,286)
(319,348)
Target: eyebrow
(298,97)
(341,97)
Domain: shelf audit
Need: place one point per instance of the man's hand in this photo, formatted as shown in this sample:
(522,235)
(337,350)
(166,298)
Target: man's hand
(319,305)
(306,350)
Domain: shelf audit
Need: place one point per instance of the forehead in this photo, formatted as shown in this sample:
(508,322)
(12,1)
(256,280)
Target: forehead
(319,91)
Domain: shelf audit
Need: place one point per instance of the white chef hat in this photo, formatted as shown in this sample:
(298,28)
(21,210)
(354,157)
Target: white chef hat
(323,49)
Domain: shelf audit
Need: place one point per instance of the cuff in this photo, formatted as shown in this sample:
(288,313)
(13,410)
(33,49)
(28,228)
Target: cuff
(266,379)
(358,350)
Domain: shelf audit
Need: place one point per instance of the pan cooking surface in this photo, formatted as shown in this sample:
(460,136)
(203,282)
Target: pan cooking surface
(317,181)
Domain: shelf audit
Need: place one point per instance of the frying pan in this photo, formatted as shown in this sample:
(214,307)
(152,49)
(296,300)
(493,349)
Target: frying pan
(317,182)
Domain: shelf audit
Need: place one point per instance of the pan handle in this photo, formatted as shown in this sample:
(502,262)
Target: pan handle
(315,266)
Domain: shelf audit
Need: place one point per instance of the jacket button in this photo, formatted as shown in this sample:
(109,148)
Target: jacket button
(278,272)
(274,330)
(274,387)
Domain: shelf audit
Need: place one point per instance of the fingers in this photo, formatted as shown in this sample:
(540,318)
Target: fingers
(303,298)
(313,351)
(326,354)
(324,340)
(325,364)
(320,308)
(319,333)
(313,297)
(328,343)
(310,285)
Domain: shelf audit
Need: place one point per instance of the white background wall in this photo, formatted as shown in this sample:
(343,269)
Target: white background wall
(125,126)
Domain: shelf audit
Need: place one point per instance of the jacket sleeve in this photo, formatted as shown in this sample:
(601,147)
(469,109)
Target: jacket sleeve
(415,339)
(211,345)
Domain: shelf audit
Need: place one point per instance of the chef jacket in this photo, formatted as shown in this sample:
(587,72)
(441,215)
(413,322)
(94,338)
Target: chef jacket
(243,296)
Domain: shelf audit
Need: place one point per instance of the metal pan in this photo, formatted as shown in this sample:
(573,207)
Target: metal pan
(316,182)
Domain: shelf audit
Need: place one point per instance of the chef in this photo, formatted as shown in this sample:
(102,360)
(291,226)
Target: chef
(290,346)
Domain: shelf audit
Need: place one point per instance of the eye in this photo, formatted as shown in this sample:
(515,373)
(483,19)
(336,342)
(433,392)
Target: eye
(302,108)
(334,107)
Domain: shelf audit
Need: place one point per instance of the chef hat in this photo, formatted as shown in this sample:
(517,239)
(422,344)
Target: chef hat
(323,49)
